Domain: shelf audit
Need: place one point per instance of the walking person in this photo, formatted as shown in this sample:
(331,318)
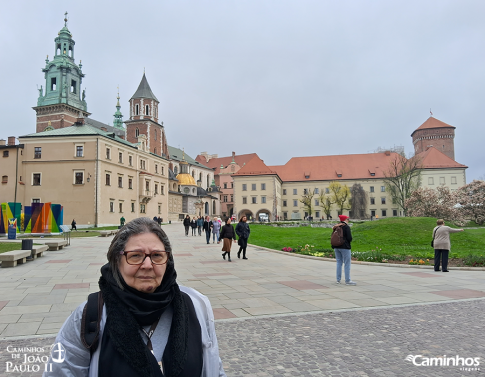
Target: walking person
(187,225)
(193,225)
(207,226)
(442,244)
(73,225)
(200,223)
(216,227)
(243,231)
(342,251)
(227,236)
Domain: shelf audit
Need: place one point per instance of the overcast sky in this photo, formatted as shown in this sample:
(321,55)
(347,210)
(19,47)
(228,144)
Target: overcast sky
(279,78)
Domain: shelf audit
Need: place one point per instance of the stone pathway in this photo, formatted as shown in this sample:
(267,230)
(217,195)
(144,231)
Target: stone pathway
(36,298)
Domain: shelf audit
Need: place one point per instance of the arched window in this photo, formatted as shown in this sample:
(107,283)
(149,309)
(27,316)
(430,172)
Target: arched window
(58,49)
(147,110)
(137,131)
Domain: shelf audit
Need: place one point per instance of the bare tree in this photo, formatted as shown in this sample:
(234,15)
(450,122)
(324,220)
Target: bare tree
(402,178)
(340,195)
(326,203)
(358,201)
(306,199)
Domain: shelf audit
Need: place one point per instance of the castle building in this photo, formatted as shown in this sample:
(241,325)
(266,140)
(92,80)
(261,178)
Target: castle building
(437,134)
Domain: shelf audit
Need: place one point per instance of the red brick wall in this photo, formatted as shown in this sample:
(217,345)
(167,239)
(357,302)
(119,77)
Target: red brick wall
(440,138)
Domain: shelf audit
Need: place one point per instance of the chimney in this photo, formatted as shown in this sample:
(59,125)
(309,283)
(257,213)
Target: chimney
(387,153)
(2,142)
(11,140)
(233,154)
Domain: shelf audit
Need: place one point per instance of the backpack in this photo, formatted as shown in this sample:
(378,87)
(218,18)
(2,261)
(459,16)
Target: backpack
(337,239)
(90,323)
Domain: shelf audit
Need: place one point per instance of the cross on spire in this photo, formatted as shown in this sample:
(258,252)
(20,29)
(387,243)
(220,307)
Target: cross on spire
(65,19)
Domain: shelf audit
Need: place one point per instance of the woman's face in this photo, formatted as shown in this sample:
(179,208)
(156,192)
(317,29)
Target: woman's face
(147,276)
(244,219)
(228,222)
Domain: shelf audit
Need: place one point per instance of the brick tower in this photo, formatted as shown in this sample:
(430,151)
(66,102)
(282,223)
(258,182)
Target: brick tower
(434,133)
(144,120)
(61,102)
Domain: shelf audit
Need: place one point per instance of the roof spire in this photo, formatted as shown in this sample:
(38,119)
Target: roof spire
(118,117)
(65,19)
(430,112)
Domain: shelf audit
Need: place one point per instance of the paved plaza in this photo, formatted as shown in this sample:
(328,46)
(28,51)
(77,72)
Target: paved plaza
(276,315)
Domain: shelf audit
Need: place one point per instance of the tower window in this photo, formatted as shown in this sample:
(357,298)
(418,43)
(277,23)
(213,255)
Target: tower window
(137,109)
(53,83)
(70,51)
(147,110)
(73,86)
(137,131)
(58,49)
(155,135)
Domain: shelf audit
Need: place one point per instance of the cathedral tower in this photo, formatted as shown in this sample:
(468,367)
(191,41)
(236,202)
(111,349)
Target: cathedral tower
(434,133)
(144,120)
(61,101)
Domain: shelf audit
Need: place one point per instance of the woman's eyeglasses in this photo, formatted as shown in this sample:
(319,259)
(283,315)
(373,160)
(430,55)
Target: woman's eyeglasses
(138,257)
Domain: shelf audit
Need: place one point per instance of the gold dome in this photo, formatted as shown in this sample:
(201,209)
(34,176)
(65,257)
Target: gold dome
(186,179)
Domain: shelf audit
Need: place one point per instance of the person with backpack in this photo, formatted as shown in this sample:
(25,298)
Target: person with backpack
(340,240)
(141,322)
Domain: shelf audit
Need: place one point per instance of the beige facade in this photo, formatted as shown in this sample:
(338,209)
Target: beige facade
(96,178)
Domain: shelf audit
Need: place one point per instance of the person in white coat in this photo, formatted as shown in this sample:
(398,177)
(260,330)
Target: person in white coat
(442,244)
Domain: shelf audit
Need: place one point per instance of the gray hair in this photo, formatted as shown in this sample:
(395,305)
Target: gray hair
(139,225)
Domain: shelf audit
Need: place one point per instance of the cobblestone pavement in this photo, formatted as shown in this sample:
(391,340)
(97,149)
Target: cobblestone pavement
(359,342)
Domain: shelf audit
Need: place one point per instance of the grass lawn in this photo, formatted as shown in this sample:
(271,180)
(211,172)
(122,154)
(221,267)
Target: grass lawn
(9,246)
(403,236)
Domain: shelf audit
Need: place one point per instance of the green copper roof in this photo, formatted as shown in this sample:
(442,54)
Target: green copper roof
(144,90)
(177,155)
(118,117)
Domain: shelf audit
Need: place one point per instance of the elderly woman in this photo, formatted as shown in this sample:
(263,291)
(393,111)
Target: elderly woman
(149,326)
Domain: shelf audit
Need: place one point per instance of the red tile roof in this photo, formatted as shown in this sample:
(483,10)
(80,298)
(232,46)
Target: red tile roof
(432,158)
(328,168)
(433,123)
(225,161)
(255,166)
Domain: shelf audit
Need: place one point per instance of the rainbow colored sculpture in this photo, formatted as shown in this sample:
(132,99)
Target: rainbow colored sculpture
(38,218)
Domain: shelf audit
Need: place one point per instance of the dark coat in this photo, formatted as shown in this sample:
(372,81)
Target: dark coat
(347,236)
(193,223)
(187,221)
(242,229)
(227,231)
(207,226)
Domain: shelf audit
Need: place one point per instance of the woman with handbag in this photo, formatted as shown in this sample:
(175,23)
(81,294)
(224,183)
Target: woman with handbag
(227,236)
(441,244)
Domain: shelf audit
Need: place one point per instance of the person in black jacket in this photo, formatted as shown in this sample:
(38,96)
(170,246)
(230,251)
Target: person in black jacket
(227,235)
(243,231)
(343,253)
(187,225)
(207,226)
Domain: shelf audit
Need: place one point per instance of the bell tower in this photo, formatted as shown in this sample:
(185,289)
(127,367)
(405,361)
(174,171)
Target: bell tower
(144,120)
(61,100)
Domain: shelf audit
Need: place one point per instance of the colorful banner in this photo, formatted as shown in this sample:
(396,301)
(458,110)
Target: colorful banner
(38,218)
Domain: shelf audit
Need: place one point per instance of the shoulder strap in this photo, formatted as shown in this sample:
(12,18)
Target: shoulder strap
(91,319)
(434,234)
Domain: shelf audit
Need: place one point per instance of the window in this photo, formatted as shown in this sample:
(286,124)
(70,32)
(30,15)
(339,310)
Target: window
(305,191)
(79,151)
(137,111)
(5,179)
(232,198)
(137,131)
(316,191)
(142,208)
(108,153)
(130,183)
(130,160)
(253,187)
(394,212)
(78,178)
(232,184)
(5,153)
(383,188)
(453,180)
(430,181)
(225,198)
(147,110)
(132,207)
(36,179)
(442,180)
(120,157)
(327,191)
(384,213)
(263,186)
(263,199)
(108,180)
(175,170)
(372,200)
(253,200)
(155,136)
(373,213)
(295,203)
(53,83)
(37,152)
(156,188)
(245,200)
(383,200)
(316,202)
(73,86)
(284,191)
(244,187)
(121,207)
(295,191)
(111,207)
(225,185)
(120,182)
(371,189)
(317,213)
(36,200)
(156,168)
(284,203)
(159,209)
(163,170)
(142,164)
(162,189)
